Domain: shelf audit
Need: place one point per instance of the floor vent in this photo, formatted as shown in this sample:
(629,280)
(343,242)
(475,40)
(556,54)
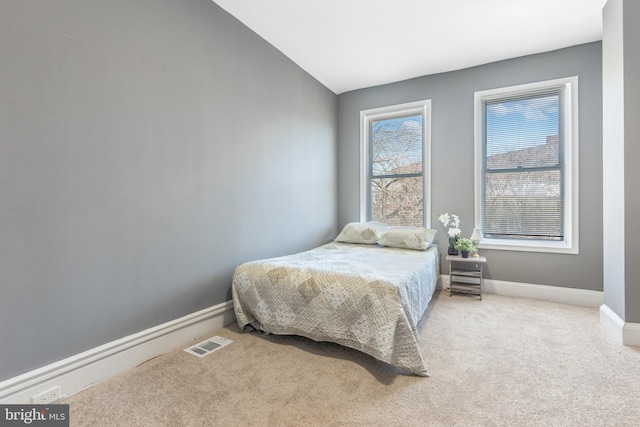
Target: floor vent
(208,346)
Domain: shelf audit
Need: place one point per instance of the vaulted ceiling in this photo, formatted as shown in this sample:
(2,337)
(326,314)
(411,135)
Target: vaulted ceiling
(351,44)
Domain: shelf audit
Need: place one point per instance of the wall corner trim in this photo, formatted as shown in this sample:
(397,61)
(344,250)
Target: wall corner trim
(622,332)
(100,363)
(613,324)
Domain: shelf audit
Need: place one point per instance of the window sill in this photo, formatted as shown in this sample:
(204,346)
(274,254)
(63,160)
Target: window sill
(548,247)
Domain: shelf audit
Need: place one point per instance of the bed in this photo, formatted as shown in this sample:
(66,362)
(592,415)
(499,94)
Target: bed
(365,296)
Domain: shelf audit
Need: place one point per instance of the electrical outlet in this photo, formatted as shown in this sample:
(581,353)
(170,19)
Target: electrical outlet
(47,397)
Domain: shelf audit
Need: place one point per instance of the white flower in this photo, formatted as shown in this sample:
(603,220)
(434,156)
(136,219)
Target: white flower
(444,219)
(447,220)
(451,223)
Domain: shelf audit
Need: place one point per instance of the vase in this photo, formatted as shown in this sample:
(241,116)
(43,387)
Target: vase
(452,251)
(465,254)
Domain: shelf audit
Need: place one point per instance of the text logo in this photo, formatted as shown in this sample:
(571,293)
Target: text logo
(34,415)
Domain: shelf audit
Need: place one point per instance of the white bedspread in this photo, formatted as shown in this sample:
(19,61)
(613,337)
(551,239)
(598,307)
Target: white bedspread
(366,297)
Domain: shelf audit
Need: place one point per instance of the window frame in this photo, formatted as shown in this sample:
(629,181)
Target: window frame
(569,245)
(394,111)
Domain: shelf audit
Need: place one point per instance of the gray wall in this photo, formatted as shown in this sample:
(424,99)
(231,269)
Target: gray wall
(613,158)
(631,158)
(146,149)
(452,155)
(621,142)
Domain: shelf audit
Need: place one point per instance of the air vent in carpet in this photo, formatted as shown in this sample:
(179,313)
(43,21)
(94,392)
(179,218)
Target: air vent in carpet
(208,346)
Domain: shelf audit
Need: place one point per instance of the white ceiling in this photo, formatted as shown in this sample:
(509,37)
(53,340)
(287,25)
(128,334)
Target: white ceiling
(351,44)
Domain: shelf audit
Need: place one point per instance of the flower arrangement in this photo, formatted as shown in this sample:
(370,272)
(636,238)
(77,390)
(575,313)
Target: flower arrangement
(451,223)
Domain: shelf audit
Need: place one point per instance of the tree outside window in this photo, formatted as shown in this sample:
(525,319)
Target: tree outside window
(395,149)
(396,171)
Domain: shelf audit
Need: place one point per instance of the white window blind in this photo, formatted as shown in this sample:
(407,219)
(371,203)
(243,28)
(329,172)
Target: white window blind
(525,141)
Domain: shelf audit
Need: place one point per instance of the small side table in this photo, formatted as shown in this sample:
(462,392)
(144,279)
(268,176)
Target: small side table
(469,268)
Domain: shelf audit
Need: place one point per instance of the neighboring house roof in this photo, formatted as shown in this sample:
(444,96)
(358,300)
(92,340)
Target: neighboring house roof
(540,155)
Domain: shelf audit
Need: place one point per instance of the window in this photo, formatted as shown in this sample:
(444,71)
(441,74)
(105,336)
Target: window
(526,153)
(394,164)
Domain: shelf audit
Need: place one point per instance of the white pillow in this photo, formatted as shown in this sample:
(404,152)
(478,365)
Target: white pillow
(419,238)
(362,232)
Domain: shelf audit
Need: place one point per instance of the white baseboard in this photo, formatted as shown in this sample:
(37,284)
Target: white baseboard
(622,332)
(583,297)
(631,334)
(92,366)
(98,364)
(612,323)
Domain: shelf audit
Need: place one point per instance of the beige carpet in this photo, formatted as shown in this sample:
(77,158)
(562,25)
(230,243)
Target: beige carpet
(497,362)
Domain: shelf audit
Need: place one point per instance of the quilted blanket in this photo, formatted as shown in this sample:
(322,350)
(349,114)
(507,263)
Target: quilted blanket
(366,297)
